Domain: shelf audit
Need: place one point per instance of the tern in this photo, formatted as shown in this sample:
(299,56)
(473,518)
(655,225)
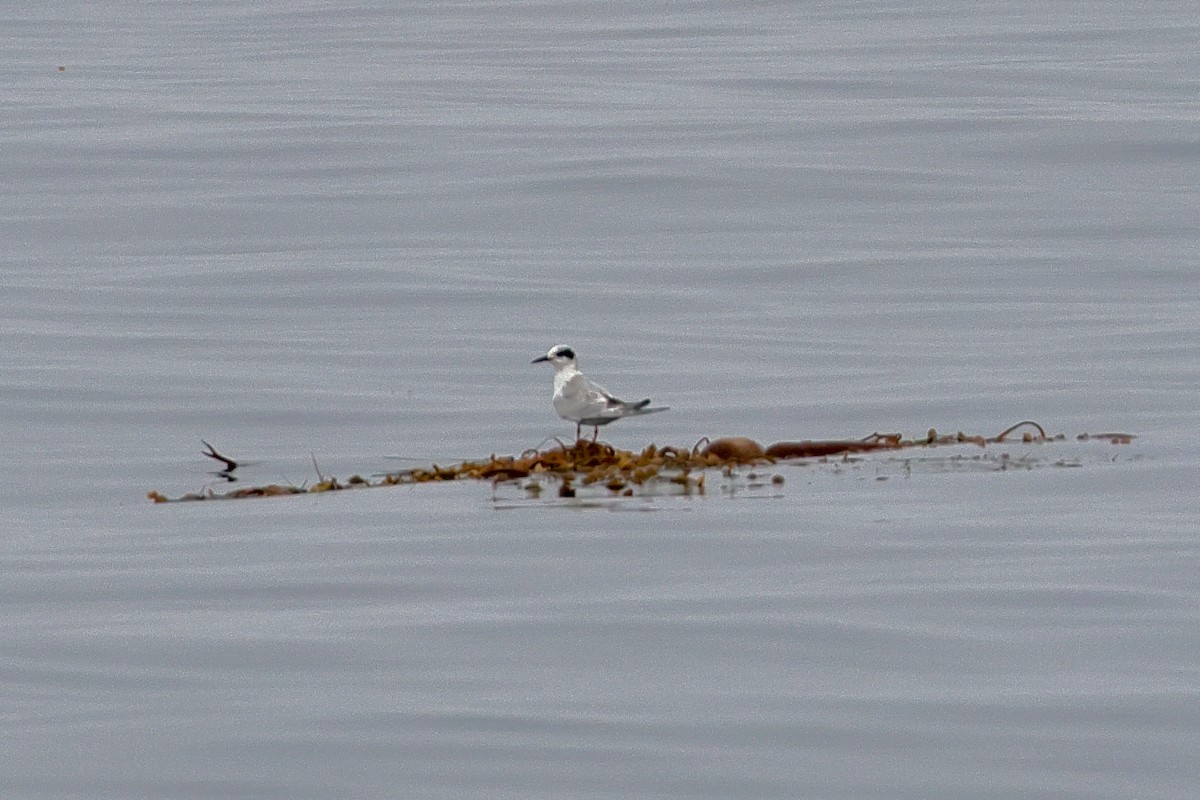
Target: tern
(583,402)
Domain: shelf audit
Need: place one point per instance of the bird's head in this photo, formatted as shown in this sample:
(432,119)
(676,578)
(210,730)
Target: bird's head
(560,356)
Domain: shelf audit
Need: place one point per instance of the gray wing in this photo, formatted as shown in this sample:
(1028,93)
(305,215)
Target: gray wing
(599,405)
(589,398)
(622,409)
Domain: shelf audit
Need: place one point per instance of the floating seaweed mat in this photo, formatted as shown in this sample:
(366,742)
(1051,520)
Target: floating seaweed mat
(620,470)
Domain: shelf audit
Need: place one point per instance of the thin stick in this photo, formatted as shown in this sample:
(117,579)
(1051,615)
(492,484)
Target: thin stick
(230,464)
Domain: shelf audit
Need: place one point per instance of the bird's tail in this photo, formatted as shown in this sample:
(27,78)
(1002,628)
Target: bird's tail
(623,410)
(643,407)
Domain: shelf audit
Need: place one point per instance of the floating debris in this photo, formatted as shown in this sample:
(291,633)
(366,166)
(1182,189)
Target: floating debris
(623,473)
(230,464)
(1114,438)
(734,448)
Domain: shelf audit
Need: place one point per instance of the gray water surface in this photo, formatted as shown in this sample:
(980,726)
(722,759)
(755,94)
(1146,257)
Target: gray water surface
(339,233)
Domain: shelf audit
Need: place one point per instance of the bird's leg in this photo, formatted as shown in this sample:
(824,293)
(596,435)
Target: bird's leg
(595,432)
(578,429)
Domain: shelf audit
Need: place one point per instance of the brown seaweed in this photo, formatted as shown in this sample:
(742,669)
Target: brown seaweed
(588,463)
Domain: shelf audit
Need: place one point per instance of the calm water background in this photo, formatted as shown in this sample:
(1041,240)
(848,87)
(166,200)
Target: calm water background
(342,231)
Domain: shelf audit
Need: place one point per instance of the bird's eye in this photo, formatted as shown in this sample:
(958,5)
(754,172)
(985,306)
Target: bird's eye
(566,352)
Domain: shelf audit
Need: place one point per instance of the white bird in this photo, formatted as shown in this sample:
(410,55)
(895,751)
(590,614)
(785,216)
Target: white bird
(579,400)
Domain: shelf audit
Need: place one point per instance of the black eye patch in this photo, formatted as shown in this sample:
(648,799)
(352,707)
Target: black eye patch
(566,352)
